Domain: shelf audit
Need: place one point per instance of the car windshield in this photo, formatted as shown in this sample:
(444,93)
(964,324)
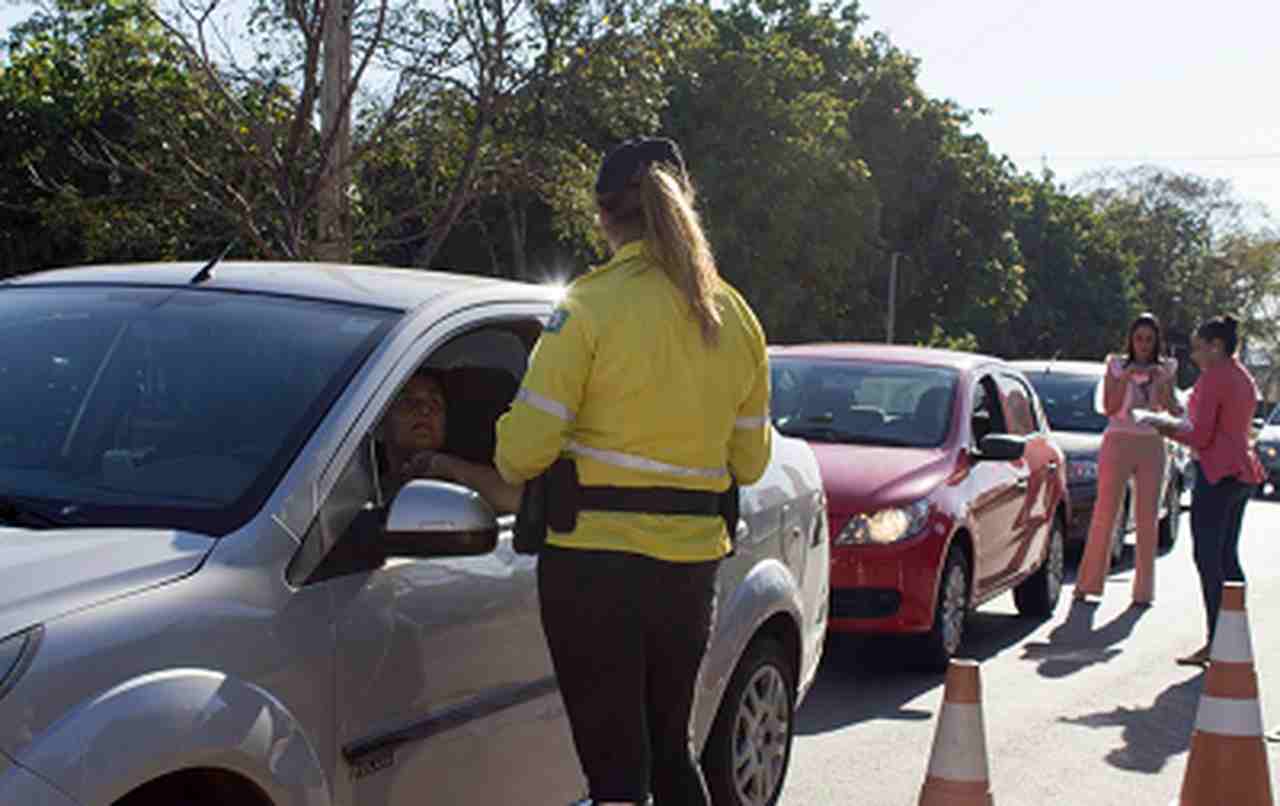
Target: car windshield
(163,407)
(1068,401)
(862,403)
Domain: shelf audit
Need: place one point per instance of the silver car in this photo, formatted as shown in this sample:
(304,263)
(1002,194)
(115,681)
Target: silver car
(205,596)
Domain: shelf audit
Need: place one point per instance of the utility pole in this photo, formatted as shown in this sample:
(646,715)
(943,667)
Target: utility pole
(893,296)
(334,242)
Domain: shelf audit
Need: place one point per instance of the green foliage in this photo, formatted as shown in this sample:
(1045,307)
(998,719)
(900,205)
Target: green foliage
(1195,249)
(79,81)
(755,104)
(477,129)
(962,341)
(1081,283)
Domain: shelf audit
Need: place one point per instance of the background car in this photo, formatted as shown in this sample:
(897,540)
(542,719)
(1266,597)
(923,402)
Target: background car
(1268,448)
(943,485)
(206,596)
(1067,389)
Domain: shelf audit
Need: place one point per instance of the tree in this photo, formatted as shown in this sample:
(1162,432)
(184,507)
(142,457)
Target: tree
(1081,283)
(82,81)
(265,79)
(943,204)
(754,103)
(546,86)
(1197,249)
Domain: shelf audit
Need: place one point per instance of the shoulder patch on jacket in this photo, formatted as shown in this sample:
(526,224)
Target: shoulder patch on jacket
(558,317)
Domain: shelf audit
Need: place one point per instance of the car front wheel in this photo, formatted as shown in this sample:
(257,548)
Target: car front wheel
(1037,596)
(746,756)
(1168,534)
(943,639)
(1118,530)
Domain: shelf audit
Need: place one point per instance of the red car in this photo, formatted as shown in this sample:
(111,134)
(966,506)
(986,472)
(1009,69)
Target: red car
(944,489)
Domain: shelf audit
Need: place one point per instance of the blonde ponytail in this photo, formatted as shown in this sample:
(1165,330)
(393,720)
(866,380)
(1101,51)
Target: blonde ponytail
(673,234)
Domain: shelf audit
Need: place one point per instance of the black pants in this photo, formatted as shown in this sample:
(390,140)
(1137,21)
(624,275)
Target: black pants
(627,635)
(1217,513)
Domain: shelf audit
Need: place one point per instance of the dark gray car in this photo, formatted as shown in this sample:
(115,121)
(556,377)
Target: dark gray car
(1066,389)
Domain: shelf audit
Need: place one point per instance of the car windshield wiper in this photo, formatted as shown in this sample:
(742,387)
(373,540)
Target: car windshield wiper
(823,433)
(887,442)
(19,511)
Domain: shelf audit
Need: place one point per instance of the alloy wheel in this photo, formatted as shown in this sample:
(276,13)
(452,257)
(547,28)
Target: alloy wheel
(954,596)
(760,743)
(1056,561)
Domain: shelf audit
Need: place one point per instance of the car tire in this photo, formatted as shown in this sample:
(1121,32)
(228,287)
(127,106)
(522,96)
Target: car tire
(1119,529)
(1037,595)
(1167,535)
(937,647)
(749,748)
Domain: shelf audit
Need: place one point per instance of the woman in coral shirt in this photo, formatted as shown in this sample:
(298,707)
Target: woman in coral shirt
(1221,416)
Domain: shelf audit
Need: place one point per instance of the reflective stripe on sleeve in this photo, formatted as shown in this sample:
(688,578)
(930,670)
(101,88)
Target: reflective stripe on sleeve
(748,423)
(633,462)
(546,405)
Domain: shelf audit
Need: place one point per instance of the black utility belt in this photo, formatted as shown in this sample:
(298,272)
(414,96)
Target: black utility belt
(555,499)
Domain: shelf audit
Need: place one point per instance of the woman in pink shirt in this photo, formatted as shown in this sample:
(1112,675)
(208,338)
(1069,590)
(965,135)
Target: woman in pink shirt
(1221,415)
(1141,379)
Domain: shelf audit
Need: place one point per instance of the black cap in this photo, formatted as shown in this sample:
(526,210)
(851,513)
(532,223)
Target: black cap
(624,162)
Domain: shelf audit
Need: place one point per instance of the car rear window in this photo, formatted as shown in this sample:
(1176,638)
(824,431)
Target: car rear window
(1068,401)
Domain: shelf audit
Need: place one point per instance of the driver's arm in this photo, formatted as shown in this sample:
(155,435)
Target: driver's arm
(501,495)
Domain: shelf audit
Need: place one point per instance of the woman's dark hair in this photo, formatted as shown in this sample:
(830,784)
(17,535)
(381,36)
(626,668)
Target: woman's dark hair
(1145,320)
(1221,328)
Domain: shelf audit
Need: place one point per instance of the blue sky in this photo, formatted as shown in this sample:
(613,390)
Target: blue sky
(1093,84)
(1108,84)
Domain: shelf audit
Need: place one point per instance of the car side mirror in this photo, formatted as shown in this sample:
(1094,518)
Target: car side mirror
(439,519)
(1001,448)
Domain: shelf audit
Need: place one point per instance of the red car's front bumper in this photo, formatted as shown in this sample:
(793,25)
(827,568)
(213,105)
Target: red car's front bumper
(885,589)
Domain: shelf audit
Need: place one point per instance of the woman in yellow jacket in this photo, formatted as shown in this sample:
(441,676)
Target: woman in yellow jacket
(652,377)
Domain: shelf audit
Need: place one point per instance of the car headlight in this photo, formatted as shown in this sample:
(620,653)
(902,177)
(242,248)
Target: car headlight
(885,526)
(16,653)
(1268,450)
(1080,470)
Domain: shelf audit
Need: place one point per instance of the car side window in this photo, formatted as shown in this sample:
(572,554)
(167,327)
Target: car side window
(987,415)
(787,394)
(1018,406)
(480,372)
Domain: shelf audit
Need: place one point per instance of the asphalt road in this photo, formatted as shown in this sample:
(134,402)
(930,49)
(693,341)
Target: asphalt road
(1085,708)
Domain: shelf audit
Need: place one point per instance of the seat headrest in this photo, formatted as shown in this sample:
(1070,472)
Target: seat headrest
(475,397)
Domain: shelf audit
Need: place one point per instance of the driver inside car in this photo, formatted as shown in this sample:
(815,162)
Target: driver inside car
(417,443)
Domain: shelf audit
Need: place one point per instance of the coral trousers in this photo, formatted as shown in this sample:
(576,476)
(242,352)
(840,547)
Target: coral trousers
(1125,455)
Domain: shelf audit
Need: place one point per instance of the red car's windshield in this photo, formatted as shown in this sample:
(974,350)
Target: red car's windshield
(863,403)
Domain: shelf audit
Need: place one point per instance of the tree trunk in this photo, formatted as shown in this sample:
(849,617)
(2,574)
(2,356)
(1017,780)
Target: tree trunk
(518,228)
(334,213)
(459,198)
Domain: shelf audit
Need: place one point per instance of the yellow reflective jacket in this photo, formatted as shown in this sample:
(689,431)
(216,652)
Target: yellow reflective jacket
(622,381)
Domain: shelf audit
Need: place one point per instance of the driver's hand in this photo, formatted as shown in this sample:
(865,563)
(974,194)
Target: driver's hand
(423,465)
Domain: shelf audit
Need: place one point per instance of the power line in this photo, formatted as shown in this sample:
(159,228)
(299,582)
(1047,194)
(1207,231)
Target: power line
(1152,157)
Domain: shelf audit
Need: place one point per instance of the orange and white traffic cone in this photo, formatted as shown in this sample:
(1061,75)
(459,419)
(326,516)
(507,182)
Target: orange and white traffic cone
(1228,761)
(958,774)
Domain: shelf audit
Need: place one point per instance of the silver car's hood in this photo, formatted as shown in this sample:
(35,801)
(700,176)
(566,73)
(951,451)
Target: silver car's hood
(44,574)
